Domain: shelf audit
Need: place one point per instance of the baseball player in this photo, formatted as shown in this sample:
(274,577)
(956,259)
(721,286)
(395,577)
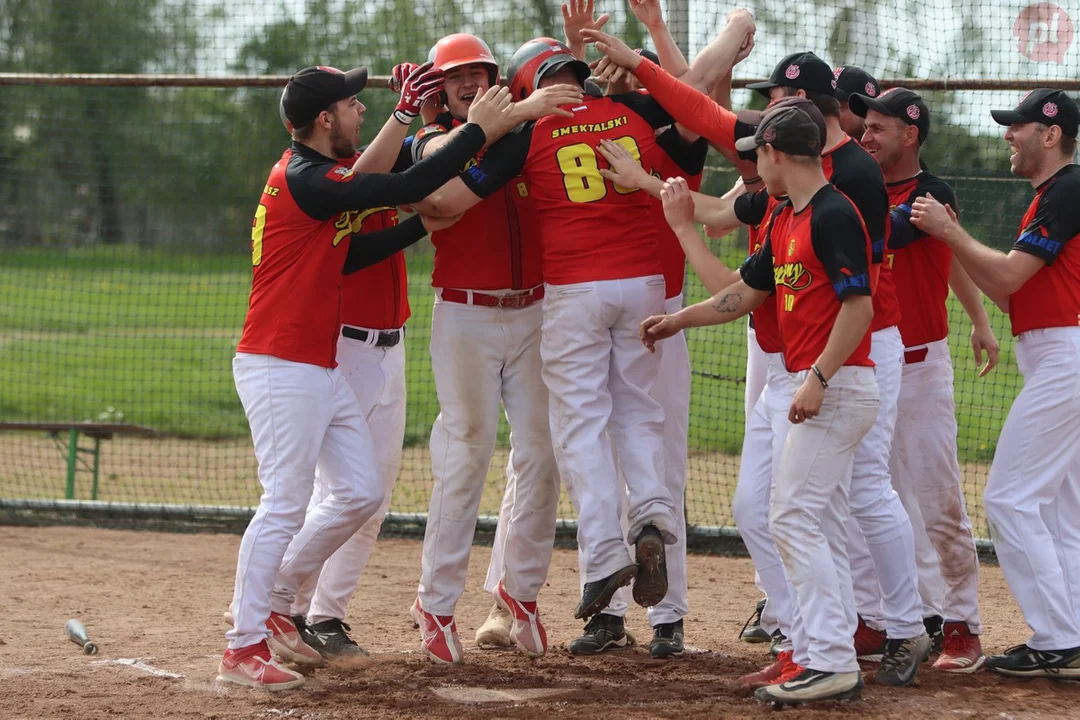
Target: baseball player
(875,506)
(924,465)
(371,357)
(816,261)
(301,411)
(1032,495)
(602,276)
(847,81)
(485,351)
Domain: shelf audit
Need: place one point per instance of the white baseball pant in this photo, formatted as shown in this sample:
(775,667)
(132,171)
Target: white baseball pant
(878,518)
(672,391)
(302,417)
(599,377)
(377,377)
(809,514)
(763,444)
(1032,496)
(757,371)
(480,357)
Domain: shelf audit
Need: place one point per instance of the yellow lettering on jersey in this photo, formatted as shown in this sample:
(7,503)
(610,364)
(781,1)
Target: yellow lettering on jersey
(792,275)
(789,303)
(352,221)
(271,191)
(890,258)
(472,162)
(589,127)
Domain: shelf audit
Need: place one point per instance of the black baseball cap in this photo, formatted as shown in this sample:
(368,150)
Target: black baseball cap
(850,80)
(895,102)
(805,71)
(649,55)
(792,125)
(1045,105)
(316,88)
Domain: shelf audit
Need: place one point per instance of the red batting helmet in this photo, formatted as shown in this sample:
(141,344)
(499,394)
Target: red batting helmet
(535,59)
(463,49)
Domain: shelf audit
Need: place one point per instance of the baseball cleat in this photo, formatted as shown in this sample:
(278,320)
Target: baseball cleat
(603,631)
(254,666)
(527,631)
(961,650)
(901,661)
(778,639)
(495,632)
(752,631)
(783,669)
(287,642)
(812,686)
(933,625)
(1022,661)
(596,595)
(438,635)
(869,643)
(667,640)
(331,639)
(650,585)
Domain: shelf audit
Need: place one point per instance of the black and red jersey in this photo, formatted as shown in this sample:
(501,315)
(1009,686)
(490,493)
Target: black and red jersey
(1050,231)
(920,264)
(756,211)
(495,245)
(590,229)
(814,259)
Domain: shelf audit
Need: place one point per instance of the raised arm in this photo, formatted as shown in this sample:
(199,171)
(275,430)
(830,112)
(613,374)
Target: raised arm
(417,84)
(679,211)
(577,16)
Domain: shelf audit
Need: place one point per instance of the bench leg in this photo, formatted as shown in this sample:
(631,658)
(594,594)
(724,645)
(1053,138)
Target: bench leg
(97,452)
(73,450)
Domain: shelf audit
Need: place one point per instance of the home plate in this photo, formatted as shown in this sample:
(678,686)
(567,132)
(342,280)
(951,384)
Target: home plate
(459,693)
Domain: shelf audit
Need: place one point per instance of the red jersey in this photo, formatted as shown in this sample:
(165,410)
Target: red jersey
(377,297)
(856,174)
(1050,231)
(919,264)
(590,229)
(814,259)
(676,158)
(495,245)
(764,320)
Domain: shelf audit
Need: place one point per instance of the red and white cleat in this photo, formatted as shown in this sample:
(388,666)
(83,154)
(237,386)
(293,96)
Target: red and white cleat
(254,666)
(527,631)
(438,635)
(286,642)
(783,667)
(961,651)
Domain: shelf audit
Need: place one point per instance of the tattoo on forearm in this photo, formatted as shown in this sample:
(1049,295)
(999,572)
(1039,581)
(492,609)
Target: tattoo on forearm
(729,302)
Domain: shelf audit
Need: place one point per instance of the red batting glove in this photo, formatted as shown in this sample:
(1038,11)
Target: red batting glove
(400,74)
(421,84)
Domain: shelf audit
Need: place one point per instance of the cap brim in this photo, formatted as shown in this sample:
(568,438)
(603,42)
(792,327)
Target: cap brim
(861,104)
(762,87)
(580,68)
(842,95)
(1008,117)
(355,80)
(746,145)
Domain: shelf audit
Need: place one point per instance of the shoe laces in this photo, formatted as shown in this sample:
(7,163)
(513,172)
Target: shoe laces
(791,671)
(334,625)
(897,652)
(599,622)
(755,618)
(666,631)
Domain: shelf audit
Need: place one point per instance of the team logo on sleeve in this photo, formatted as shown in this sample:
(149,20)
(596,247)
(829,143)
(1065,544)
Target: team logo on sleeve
(340,173)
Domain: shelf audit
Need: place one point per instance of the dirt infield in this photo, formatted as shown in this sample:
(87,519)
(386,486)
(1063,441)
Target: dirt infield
(153,604)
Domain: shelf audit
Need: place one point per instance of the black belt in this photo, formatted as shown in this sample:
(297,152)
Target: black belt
(387,338)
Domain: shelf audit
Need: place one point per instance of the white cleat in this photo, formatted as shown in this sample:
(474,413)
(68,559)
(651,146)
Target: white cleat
(495,632)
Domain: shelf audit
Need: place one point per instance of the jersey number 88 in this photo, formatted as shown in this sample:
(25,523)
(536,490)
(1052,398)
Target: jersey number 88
(581,171)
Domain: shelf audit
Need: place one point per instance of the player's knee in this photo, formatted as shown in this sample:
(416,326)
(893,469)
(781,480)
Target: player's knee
(750,515)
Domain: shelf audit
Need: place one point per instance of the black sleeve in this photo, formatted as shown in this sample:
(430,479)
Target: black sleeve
(404,159)
(861,180)
(645,106)
(757,270)
(839,239)
(367,249)
(1056,220)
(690,157)
(901,232)
(750,208)
(322,190)
(502,162)
(439,126)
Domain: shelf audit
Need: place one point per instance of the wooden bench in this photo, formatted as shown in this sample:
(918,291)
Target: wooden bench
(95,431)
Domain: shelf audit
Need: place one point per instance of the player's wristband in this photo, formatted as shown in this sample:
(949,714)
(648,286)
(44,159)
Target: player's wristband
(820,377)
(750,181)
(405,117)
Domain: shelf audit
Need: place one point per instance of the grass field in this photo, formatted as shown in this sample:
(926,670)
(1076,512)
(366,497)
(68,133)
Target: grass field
(151,336)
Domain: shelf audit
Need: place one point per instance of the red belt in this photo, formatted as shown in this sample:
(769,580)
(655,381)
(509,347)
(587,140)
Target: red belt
(519,300)
(915,356)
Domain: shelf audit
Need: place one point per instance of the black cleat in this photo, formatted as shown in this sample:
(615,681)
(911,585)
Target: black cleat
(934,625)
(597,595)
(777,639)
(667,640)
(650,585)
(602,632)
(1022,661)
(331,639)
(752,631)
(901,661)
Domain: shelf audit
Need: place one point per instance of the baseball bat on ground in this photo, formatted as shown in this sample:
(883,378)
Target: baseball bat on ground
(76,632)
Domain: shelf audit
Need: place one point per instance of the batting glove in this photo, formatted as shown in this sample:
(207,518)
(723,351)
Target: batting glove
(400,74)
(422,83)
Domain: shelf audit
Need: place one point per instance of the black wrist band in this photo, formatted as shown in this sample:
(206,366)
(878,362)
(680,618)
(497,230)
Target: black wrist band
(751,181)
(820,377)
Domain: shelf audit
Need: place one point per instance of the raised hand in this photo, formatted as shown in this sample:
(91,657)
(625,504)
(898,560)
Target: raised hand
(619,52)
(399,74)
(625,170)
(422,83)
(933,218)
(647,12)
(550,100)
(678,203)
(493,112)
(577,16)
